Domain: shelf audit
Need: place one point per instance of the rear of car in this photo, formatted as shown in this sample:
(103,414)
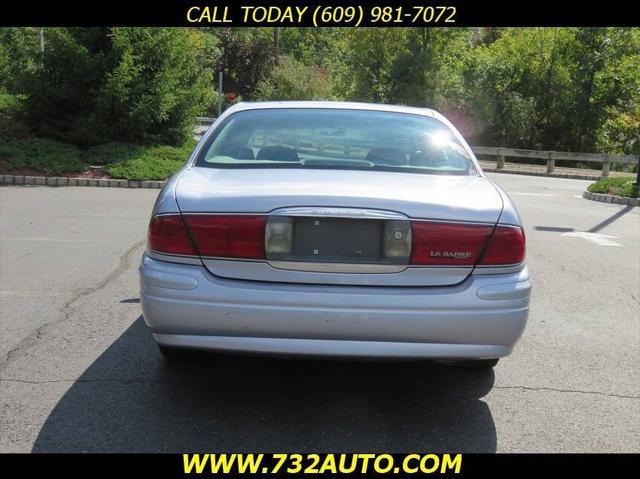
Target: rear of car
(335,229)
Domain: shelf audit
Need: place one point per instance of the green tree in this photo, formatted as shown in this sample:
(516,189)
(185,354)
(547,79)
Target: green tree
(5,66)
(19,54)
(247,56)
(607,76)
(61,92)
(547,88)
(518,88)
(159,83)
(136,84)
(293,80)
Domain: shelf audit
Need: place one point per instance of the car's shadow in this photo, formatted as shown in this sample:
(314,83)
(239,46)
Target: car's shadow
(131,399)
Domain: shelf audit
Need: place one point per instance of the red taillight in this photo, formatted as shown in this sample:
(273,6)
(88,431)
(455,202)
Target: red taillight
(448,243)
(507,246)
(228,236)
(168,235)
(242,236)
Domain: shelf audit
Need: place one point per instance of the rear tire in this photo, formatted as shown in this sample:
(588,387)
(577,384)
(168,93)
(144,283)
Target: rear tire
(171,353)
(480,364)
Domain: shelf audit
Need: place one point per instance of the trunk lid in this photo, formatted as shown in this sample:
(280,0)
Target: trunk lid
(335,200)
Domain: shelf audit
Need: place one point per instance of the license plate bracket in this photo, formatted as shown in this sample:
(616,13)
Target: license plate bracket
(337,240)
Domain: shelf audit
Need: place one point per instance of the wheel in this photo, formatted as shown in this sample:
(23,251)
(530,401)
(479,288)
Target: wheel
(480,364)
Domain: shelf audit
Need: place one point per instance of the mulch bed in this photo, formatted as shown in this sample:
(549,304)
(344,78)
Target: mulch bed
(91,173)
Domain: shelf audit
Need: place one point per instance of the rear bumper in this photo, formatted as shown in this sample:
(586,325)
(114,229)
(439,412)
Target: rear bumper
(186,306)
(333,347)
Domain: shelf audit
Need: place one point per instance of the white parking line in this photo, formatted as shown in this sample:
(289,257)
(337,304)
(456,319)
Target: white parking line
(600,240)
(522,193)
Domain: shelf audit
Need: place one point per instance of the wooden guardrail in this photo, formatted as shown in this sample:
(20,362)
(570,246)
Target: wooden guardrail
(552,156)
(204,120)
(549,156)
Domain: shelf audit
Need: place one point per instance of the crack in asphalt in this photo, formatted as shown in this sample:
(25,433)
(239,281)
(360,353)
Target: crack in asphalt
(558,390)
(67,309)
(162,381)
(53,381)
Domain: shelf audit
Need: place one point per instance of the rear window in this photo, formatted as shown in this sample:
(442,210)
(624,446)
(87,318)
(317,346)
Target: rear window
(336,139)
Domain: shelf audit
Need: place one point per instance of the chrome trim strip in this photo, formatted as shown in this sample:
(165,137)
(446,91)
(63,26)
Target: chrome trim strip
(455,222)
(337,267)
(509,225)
(286,263)
(214,213)
(510,265)
(508,268)
(338,212)
(230,258)
(174,258)
(333,267)
(262,271)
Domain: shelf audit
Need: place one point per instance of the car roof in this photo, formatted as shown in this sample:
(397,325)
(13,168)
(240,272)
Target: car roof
(343,105)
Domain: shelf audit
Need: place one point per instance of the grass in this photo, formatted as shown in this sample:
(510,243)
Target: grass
(616,186)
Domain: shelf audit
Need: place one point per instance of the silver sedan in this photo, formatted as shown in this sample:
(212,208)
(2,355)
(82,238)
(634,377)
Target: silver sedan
(335,229)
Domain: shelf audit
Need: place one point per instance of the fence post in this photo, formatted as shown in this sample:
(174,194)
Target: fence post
(219,93)
(606,164)
(500,162)
(551,163)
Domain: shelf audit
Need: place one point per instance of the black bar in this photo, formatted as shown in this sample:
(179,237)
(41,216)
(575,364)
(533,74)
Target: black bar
(161,466)
(174,13)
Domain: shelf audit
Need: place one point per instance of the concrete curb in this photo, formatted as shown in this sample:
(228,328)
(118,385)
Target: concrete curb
(64,181)
(618,200)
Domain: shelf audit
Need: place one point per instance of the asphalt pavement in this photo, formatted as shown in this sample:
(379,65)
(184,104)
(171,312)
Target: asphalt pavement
(80,372)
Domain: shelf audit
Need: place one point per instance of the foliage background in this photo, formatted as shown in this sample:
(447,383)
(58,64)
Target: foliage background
(567,89)
(95,84)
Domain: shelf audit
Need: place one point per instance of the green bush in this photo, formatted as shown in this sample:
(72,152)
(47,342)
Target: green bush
(293,80)
(49,156)
(11,125)
(616,186)
(139,85)
(121,160)
(151,163)
(620,133)
(113,152)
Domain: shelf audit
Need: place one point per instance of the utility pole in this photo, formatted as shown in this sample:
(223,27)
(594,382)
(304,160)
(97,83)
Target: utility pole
(276,40)
(41,34)
(220,93)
